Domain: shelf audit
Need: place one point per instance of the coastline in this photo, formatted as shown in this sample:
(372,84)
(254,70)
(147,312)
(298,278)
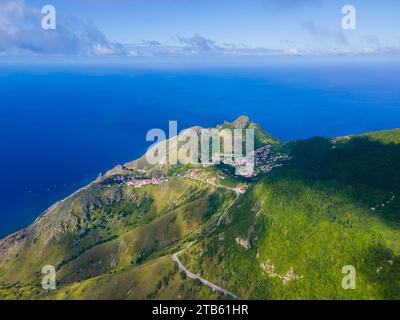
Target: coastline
(52,207)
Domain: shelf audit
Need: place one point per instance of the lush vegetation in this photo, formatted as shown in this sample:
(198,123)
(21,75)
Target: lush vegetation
(335,203)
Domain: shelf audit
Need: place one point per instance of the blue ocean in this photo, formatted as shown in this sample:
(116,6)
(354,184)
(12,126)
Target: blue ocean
(63,125)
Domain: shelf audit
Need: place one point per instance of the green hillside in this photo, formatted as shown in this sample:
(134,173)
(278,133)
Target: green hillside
(335,202)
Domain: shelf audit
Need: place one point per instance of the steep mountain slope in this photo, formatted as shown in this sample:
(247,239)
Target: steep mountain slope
(261,138)
(336,204)
(331,203)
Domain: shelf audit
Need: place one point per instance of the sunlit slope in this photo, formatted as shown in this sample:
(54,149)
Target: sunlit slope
(290,235)
(261,138)
(121,228)
(334,204)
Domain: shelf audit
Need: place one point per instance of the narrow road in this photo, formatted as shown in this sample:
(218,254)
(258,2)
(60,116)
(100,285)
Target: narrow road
(176,254)
(196,277)
(236,190)
(226,210)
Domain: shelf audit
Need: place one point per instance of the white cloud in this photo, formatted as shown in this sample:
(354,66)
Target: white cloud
(323,34)
(21,34)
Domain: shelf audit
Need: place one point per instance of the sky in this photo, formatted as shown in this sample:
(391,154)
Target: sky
(199,27)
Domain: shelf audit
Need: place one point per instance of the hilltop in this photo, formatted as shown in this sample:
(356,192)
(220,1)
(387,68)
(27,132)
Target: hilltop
(312,207)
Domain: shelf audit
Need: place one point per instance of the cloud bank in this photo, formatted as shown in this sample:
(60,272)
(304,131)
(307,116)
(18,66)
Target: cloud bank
(21,33)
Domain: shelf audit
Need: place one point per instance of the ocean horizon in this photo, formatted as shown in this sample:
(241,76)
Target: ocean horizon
(62,126)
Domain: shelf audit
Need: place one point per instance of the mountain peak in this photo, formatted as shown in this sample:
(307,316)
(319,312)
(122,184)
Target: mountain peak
(241,122)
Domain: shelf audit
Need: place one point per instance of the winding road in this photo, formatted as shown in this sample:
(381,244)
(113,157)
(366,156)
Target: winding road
(175,256)
(196,277)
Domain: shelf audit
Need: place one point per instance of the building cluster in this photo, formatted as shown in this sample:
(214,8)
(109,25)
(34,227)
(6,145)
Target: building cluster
(262,155)
(267,167)
(261,158)
(246,166)
(138,183)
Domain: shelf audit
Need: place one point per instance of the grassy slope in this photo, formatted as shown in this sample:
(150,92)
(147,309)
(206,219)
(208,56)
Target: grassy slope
(157,278)
(169,213)
(314,217)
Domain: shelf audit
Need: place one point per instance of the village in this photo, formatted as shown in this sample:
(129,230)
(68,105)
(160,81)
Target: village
(261,158)
(139,183)
(136,181)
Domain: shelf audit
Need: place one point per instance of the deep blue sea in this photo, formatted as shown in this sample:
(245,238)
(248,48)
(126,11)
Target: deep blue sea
(61,126)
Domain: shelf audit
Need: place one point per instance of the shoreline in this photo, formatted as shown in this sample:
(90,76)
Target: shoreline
(53,206)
